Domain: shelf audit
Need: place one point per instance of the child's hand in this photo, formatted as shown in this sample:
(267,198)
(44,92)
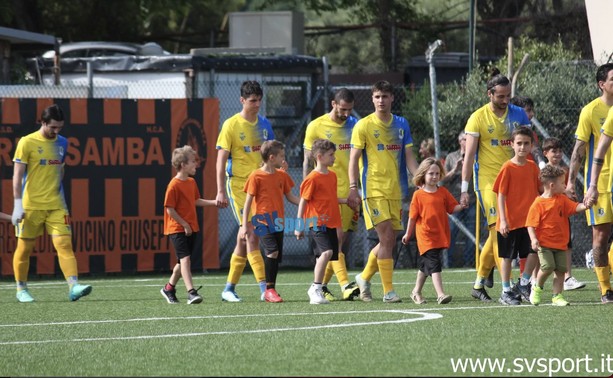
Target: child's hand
(405,239)
(504,228)
(299,234)
(188,230)
(243,232)
(535,245)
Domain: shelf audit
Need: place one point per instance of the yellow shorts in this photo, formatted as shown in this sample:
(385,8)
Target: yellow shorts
(379,209)
(489,205)
(236,197)
(601,212)
(57,222)
(349,218)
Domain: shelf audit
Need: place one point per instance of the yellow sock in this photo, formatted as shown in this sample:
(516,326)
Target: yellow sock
(371,267)
(237,265)
(340,269)
(65,255)
(257,265)
(486,258)
(21,259)
(602,272)
(328,273)
(611,258)
(386,270)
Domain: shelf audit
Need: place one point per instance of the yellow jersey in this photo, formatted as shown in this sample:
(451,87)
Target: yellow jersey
(243,139)
(383,168)
(494,147)
(325,128)
(592,119)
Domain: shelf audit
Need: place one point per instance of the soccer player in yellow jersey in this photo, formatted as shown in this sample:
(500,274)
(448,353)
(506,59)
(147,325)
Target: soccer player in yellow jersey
(598,180)
(488,146)
(238,146)
(40,203)
(336,126)
(381,144)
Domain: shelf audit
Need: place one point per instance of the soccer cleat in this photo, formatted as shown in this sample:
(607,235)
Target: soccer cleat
(507,298)
(535,295)
(571,283)
(481,295)
(327,294)
(607,297)
(444,299)
(489,281)
(589,259)
(271,295)
(558,300)
(77,291)
(316,296)
(193,297)
(229,296)
(351,291)
(523,291)
(364,286)
(391,297)
(24,296)
(170,295)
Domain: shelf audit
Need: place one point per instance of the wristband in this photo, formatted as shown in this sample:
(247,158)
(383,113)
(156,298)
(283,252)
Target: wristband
(464,188)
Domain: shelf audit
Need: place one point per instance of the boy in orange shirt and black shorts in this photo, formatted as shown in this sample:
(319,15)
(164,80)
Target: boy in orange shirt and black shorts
(266,187)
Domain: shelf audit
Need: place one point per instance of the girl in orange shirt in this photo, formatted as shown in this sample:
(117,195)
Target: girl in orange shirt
(428,216)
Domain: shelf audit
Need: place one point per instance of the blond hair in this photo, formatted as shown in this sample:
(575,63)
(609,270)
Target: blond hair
(420,176)
(181,155)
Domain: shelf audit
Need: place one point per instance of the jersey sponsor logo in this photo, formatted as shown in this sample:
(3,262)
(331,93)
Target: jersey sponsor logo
(252,148)
(393,147)
(50,162)
(344,146)
(506,142)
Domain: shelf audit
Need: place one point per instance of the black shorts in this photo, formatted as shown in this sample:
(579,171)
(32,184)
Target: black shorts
(517,243)
(184,245)
(272,242)
(430,262)
(325,240)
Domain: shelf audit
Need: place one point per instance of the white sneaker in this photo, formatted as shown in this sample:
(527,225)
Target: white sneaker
(316,296)
(365,294)
(229,296)
(571,283)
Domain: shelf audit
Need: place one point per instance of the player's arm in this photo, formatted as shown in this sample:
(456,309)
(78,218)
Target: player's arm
(502,211)
(201,202)
(19,170)
(410,158)
(604,143)
(353,199)
(472,142)
(220,167)
(174,215)
(306,163)
(576,159)
(409,233)
(300,215)
(5,217)
(291,197)
(533,239)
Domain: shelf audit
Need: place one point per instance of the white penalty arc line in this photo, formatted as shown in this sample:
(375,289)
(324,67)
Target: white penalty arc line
(422,316)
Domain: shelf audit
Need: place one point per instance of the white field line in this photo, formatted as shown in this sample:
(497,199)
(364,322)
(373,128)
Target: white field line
(421,316)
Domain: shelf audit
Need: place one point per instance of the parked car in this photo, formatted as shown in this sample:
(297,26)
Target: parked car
(98,48)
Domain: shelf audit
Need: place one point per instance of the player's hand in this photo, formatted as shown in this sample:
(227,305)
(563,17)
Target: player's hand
(221,201)
(18,212)
(570,193)
(353,199)
(591,197)
(299,234)
(464,199)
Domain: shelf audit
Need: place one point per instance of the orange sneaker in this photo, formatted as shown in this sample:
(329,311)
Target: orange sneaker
(271,295)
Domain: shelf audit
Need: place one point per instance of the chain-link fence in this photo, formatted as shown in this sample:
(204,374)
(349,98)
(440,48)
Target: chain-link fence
(559,90)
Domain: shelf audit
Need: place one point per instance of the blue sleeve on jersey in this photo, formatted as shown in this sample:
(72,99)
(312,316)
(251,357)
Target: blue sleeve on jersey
(265,128)
(62,143)
(402,122)
(518,116)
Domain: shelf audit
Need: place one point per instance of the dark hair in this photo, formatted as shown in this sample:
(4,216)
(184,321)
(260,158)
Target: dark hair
(251,87)
(496,78)
(321,146)
(603,71)
(271,147)
(522,131)
(550,173)
(383,86)
(52,112)
(551,143)
(343,94)
(522,101)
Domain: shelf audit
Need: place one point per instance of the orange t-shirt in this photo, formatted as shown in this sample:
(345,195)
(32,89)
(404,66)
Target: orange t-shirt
(521,185)
(319,190)
(268,190)
(549,217)
(181,195)
(429,211)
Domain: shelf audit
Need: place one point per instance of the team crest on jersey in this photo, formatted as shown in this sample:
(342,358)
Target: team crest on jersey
(241,135)
(328,134)
(492,211)
(490,129)
(401,133)
(376,134)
